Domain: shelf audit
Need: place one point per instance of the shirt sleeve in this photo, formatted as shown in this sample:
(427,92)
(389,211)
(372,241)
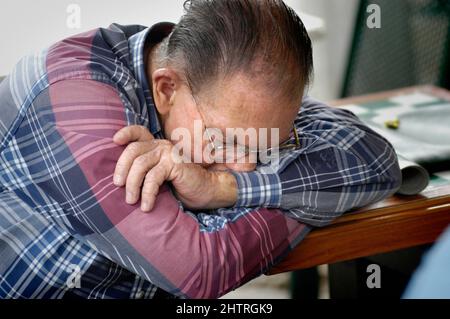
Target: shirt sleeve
(202,255)
(342,164)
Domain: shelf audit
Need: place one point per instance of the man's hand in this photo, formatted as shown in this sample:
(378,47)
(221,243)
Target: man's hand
(149,162)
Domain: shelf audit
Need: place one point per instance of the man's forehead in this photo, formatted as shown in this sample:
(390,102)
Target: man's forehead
(243,101)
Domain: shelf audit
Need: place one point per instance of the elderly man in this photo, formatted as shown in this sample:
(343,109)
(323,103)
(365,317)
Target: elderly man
(67,226)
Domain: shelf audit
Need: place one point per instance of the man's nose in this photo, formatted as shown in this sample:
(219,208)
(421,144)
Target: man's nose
(238,167)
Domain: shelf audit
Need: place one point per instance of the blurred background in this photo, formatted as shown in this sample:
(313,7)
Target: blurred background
(409,47)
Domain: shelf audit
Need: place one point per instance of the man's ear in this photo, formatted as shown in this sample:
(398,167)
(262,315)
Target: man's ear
(165,82)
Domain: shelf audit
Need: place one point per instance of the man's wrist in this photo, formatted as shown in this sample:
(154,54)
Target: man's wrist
(257,189)
(225,194)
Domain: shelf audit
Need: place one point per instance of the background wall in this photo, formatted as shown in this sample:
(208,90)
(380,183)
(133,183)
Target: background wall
(27,26)
(331,51)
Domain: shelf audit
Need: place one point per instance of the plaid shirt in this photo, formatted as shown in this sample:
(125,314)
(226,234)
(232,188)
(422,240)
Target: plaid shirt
(65,229)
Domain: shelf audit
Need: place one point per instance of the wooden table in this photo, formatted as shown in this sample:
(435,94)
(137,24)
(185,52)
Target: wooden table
(395,223)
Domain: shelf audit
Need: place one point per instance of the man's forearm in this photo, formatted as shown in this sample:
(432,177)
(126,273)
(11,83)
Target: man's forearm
(225,194)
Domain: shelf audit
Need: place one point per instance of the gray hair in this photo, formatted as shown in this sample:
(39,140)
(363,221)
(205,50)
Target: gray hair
(264,39)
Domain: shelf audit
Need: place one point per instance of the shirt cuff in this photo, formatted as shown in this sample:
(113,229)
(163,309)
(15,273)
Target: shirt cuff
(258,189)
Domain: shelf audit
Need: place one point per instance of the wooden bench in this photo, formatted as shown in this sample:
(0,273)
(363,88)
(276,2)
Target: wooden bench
(395,223)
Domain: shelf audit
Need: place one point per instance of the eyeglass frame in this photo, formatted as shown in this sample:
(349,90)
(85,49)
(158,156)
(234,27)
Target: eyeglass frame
(248,150)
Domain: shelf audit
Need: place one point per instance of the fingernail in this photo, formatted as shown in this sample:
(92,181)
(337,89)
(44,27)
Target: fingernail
(130,198)
(118,180)
(118,136)
(145,206)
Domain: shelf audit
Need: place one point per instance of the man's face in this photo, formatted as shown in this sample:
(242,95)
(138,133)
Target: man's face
(238,103)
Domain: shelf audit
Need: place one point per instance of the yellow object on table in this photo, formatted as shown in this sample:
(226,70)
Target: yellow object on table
(393,124)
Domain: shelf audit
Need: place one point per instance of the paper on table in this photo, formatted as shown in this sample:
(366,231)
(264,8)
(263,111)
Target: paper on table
(415,178)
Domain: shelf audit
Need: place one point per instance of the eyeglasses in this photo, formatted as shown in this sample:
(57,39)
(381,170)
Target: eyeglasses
(221,150)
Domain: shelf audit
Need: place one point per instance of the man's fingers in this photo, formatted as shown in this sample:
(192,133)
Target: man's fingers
(126,159)
(137,173)
(132,133)
(153,181)
(140,159)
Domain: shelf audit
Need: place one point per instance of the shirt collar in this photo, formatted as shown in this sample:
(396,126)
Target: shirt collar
(136,43)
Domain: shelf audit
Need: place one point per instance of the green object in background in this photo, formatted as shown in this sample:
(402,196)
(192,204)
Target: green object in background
(412,47)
